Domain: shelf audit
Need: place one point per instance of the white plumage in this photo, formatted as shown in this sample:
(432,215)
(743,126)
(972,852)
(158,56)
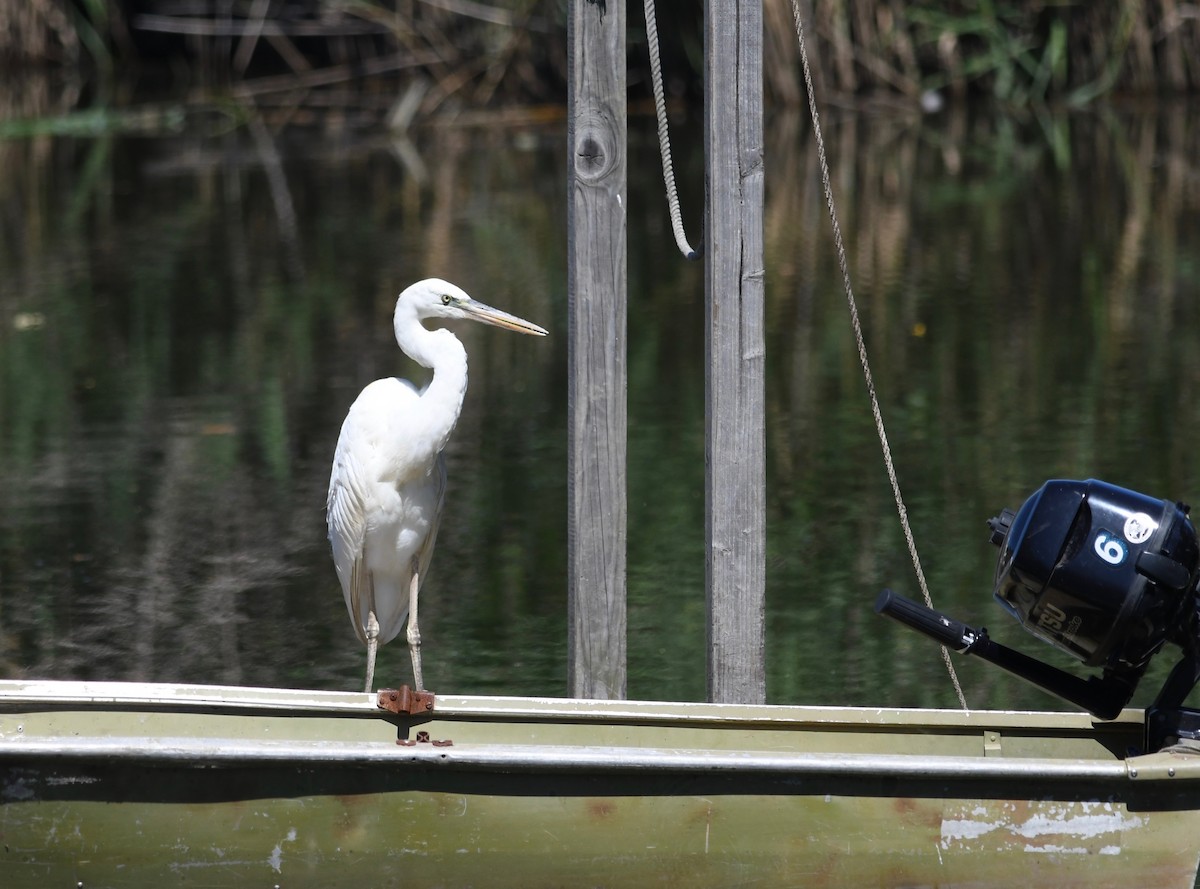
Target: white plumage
(389,476)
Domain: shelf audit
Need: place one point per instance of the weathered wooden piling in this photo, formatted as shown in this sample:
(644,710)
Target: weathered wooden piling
(735,445)
(735,449)
(596,299)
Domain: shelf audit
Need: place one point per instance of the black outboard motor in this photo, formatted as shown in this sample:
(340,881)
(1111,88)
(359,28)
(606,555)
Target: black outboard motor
(1107,575)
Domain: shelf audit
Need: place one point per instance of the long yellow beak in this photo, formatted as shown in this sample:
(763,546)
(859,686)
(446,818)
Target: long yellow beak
(478,311)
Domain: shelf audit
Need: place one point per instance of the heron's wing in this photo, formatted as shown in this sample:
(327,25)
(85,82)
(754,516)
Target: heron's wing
(346,516)
(426,553)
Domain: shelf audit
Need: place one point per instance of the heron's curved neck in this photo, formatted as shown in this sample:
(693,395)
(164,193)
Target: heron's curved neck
(440,351)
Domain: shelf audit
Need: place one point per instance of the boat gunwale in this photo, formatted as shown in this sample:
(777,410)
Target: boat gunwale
(19,698)
(25,695)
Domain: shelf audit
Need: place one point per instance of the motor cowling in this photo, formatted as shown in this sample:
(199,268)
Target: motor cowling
(1101,572)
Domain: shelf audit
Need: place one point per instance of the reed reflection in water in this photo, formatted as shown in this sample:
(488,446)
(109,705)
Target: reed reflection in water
(186,319)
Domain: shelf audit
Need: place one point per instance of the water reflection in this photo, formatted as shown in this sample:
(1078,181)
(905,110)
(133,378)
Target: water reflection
(186,317)
(1029,297)
(205,317)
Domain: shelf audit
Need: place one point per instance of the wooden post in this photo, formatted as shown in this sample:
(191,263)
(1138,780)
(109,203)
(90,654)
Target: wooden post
(596,300)
(735,448)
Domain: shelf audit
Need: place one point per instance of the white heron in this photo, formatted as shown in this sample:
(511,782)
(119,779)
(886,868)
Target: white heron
(389,474)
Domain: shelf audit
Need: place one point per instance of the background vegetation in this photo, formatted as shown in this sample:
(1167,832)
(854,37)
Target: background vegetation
(514,51)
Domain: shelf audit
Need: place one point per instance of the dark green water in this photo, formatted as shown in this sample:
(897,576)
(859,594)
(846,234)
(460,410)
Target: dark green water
(185,318)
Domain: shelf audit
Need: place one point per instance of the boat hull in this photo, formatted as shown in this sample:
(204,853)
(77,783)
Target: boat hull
(132,785)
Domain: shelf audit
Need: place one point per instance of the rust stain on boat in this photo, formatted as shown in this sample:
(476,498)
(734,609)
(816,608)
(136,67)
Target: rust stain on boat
(601,808)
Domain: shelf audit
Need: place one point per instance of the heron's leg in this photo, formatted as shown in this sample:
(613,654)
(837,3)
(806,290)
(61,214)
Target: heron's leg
(414,631)
(372,647)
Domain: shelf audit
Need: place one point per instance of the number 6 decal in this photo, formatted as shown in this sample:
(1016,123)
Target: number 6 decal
(1110,548)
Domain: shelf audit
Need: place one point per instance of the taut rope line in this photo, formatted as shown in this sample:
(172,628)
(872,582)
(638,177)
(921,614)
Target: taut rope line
(862,348)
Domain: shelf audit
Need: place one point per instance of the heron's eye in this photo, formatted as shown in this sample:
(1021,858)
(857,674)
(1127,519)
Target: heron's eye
(447,299)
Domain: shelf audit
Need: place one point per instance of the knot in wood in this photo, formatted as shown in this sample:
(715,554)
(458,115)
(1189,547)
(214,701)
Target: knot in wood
(597,149)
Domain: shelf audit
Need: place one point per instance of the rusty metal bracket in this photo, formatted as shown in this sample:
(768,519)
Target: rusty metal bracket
(405,702)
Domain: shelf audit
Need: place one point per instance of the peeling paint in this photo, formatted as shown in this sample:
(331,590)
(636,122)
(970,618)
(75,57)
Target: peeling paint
(959,829)
(1047,828)
(180,866)
(276,857)
(18,790)
(1058,850)
(1081,826)
(63,780)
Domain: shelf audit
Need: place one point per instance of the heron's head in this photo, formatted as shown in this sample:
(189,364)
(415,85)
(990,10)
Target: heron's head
(435,298)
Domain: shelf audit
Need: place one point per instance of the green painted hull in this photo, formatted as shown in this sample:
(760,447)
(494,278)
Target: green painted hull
(111,784)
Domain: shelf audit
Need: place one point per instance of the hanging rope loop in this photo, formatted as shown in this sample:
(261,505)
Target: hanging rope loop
(664,142)
(862,347)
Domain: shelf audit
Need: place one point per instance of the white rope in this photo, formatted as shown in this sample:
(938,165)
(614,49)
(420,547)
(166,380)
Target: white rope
(862,347)
(664,143)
